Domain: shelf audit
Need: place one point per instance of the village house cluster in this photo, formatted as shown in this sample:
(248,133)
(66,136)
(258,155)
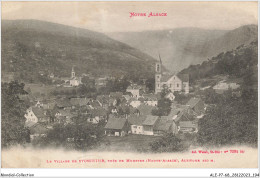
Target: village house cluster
(182,119)
(128,112)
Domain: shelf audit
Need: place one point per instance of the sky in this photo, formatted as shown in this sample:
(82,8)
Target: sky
(115,16)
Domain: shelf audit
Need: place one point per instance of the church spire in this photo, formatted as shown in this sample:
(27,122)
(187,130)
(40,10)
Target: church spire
(160,59)
(72,72)
(158,65)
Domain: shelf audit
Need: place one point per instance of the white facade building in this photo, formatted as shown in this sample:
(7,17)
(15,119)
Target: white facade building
(179,82)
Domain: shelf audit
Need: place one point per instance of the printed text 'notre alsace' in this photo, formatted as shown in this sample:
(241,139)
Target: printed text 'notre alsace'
(144,14)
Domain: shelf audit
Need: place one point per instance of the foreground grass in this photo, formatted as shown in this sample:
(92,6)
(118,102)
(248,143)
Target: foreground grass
(128,143)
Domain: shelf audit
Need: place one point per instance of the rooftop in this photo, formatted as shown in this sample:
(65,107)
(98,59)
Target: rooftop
(133,87)
(115,123)
(150,120)
(184,77)
(163,124)
(188,124)
(116,94)
(145,109)
(149,97)
(39,113)
(79,101)
(136,120)
(193,101)
(38,128)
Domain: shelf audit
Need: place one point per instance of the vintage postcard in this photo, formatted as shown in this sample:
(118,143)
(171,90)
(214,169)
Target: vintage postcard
(129,85)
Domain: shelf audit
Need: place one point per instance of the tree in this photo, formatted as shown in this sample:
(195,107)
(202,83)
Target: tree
(29,90)
(164,92)
(150,84)
(13,110)
(230,121)
(51,114)
(163,107)
(211,97)
(79,134)
(181,98)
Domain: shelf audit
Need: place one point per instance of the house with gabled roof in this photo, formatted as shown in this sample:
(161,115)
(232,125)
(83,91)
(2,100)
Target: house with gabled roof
(186,121)
(134,102)
(197,105)
(134,89)
(149,123)
(116,126)
(136,123)
(96,115)
(189,126)
(45,104)
(35,114)
(165,125)
(64,116)
(174,112)
(150,99)
(63,103)
(101,81)
(38,104)
(170,123)
(104,100)
(38,130)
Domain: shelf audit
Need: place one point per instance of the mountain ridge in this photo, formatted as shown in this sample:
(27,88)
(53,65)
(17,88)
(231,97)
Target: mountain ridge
(30,46)
(181,47)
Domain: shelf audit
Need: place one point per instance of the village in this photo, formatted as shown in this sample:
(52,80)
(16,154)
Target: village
(129,85)
(124,113)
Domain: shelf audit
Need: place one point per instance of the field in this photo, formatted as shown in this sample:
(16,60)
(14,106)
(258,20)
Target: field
(128,143)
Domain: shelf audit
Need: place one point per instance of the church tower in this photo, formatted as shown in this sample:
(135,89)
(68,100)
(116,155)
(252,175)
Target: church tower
(72,73)
(158,76)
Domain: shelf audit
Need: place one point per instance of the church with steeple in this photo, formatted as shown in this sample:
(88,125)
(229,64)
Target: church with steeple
(74,81)
(178,82)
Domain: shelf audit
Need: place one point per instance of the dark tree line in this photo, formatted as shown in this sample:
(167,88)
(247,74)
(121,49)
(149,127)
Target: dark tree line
(230,120)
(12,115)
(234,63)
(77,135)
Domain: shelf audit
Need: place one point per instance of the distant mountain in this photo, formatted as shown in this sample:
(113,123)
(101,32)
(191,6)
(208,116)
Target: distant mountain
(230,40)
(240,63)
(30,47)
(184,46)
